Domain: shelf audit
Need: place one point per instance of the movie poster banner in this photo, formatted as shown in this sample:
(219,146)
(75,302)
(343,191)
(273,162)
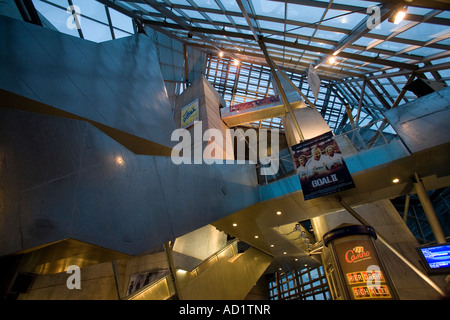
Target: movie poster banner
(321,167)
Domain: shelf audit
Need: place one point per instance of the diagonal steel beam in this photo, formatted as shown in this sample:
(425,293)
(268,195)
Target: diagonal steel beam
(359,31)
(244,6)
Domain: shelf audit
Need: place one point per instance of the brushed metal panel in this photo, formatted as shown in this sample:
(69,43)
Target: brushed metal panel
(69,183)
(116,83)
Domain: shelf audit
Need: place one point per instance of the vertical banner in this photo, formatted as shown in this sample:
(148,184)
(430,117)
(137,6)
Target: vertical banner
(321,167)
(313,81)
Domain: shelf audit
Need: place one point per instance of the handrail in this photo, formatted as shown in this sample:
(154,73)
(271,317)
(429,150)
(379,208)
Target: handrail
(149,286)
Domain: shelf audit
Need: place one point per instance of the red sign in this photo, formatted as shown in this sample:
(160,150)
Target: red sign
(254,103)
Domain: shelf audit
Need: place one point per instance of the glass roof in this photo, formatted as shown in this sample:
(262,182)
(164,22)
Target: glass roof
(296,33)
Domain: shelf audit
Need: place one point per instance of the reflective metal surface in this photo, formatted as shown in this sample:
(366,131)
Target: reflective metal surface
(115,84)
(423,123)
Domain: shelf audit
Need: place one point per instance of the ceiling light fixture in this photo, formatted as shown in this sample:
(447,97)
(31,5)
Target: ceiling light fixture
(256,237)
(236,62)
(396,180)
(234,224)
(221,54)
(278,212)
(332,60)
(398,15)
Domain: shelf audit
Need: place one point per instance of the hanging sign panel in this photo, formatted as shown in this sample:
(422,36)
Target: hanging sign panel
(189,114)
(321,167)
(313,81)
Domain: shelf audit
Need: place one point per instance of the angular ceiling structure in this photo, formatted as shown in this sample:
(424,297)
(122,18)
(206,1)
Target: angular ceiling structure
(372,57)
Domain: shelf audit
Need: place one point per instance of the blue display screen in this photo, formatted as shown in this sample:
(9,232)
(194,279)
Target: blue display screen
(437,257)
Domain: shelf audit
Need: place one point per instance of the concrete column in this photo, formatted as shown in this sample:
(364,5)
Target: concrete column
(429,210)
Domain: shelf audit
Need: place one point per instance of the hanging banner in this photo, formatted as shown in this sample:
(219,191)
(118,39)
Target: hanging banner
(313,81)
(321,167)
(189,114)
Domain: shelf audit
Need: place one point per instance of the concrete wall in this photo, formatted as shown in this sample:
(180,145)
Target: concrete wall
(104,281)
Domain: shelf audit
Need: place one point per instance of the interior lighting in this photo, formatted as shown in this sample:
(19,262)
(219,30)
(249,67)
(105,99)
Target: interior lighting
(332,60)
(396,180)
(234,224)
(278,212)
(236,62)
(398,15)
(256,237)
(221,54)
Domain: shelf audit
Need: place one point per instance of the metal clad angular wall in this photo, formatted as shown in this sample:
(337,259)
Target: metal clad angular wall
(64,178)
(116,83)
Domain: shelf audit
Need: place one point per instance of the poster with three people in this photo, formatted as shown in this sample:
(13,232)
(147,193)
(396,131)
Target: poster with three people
(321,167)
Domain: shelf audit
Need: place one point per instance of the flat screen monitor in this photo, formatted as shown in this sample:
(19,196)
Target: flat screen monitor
(435,258)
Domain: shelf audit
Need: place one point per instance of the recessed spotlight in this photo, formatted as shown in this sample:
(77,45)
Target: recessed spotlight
(296,259)
(119,160)
(285,252)
(256,237)
(332,60)
(278,212)
(234,224)
(399,16)
(221,54)
(396,180)
(272,246)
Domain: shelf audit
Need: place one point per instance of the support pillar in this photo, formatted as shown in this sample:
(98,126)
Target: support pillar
(429,210)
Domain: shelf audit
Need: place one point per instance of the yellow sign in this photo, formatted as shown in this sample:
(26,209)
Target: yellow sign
(190,114)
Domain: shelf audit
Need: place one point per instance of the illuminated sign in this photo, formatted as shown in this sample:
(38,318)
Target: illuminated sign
(361,269)
(189,114)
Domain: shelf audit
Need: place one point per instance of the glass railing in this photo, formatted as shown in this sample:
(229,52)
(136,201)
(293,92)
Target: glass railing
(360,139)
(160,289)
